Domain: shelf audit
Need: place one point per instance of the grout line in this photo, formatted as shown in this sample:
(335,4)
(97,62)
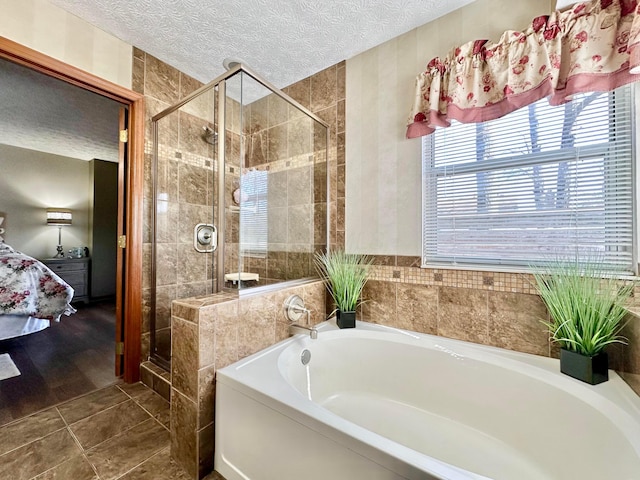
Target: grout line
(83,452)
(56,405)
(151,414)
(32,441)
(128,394)
(142,462)
(106,407)
(121,432)
(66,428)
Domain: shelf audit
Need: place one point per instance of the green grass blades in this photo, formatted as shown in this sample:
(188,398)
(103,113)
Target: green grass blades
(345,275)
(587,307)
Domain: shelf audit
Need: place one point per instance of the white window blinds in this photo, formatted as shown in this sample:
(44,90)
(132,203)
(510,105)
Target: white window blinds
(253,213)
(539,182)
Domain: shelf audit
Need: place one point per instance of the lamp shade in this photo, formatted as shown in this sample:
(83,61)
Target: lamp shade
(59,216)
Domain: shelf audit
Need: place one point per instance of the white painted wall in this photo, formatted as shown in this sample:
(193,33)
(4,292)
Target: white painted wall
(383,169)
(44,27)
(30,183)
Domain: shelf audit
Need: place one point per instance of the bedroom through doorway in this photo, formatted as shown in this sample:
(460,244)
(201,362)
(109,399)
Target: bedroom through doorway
(59,149)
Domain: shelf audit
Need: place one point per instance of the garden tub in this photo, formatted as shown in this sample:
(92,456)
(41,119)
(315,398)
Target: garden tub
(381,403)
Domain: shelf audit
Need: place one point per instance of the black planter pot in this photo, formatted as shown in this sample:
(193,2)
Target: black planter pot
(346,319)
(593,370)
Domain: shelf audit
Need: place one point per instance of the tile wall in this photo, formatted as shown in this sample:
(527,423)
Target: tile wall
(285,152)
(210,333)
(324,94)
(490,308)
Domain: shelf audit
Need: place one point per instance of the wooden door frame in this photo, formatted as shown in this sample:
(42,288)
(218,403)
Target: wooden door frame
(134,216)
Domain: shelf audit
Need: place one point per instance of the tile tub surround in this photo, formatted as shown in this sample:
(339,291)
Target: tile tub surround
(118,432)
(212,332)
(491,308)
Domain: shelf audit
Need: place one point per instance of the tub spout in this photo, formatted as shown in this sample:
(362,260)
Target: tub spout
(296,328)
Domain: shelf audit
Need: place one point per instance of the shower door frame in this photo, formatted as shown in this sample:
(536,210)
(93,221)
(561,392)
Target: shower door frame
(220,82)
(130,281)
(219,217)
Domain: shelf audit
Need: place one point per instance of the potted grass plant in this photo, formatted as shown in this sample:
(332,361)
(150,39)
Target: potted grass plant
(345,275)
(587,309)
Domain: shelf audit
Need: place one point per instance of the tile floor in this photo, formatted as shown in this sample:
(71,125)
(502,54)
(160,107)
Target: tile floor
(118,432)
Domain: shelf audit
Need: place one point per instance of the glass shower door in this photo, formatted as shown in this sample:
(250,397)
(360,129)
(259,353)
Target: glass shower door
(185,173)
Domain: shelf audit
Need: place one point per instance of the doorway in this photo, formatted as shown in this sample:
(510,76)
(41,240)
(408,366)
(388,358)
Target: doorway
(129,278)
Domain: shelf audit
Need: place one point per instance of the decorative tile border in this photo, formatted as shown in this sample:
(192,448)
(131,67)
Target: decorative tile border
(480,280)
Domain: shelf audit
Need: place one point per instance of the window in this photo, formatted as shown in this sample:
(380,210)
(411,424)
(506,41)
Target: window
(539,182)
(253,213)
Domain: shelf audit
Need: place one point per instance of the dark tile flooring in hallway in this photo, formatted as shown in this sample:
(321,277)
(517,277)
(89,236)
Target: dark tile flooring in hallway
(118,432)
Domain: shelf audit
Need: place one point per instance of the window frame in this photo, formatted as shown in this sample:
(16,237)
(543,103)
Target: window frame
(429,193)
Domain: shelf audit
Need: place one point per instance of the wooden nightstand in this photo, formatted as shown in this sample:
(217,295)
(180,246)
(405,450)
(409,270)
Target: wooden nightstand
(74,271)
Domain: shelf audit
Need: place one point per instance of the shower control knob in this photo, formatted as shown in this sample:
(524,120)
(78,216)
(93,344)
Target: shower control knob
(204,238)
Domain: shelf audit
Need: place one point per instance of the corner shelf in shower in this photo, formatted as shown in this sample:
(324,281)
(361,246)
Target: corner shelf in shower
(241,276)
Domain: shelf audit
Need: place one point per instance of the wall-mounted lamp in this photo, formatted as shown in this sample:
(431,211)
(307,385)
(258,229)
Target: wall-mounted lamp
(59,217)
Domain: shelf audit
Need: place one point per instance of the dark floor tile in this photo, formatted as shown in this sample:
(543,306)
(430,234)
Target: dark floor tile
(108,423)
(158,467)
(76,468)
(29,429)
(91,404)
(155,405)
(124,452)
(134,389)
(37,457)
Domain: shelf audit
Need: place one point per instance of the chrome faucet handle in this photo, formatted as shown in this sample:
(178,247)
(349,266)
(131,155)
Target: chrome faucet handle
(294,308)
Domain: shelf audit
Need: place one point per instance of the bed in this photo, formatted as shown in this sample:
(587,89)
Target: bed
(31,295)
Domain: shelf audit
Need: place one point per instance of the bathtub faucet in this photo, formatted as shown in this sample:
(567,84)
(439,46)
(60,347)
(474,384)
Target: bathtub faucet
(293,310)
(295,328)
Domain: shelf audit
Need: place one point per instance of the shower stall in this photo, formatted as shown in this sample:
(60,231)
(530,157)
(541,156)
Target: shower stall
(240,189)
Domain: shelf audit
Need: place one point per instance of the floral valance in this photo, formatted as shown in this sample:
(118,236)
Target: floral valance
(590,47)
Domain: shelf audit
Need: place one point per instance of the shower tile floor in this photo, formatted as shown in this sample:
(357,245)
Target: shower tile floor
(118,432)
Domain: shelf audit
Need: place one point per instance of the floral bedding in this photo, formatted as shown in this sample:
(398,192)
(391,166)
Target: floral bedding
(28,287)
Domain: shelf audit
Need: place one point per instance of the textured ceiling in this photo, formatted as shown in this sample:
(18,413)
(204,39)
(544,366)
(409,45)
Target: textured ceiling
(282,40)
(48,115)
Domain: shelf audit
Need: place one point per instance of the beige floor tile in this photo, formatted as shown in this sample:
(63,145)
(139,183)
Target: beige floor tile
(158,467)
(102,426)
(76,468)
(37,457)
(124,452)
(91,404)
(29,429)
(134,389)
(155,405)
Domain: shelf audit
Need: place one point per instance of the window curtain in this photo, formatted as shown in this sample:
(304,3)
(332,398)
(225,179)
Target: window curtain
(591,47)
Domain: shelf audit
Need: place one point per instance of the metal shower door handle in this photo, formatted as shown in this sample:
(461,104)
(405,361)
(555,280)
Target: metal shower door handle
(205,237)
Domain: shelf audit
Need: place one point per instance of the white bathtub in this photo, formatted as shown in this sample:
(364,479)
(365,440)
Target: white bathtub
(378,403)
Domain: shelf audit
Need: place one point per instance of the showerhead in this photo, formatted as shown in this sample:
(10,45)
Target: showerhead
(210,136)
